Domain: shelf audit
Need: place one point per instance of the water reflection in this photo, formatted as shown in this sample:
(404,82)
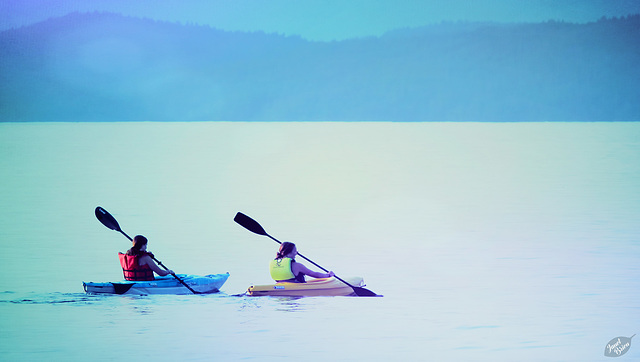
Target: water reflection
(289,304)
(280,304)
(48,298)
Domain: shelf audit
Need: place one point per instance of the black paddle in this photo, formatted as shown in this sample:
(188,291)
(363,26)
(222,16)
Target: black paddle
(253,226)
(109,221)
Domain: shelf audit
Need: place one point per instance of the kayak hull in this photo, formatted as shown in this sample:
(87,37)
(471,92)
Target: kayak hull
(313,288)
(161,285)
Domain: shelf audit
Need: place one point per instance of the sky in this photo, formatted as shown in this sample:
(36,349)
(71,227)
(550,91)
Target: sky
(322,20)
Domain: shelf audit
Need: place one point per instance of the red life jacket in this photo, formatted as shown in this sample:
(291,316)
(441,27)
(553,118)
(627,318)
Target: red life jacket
(132,270)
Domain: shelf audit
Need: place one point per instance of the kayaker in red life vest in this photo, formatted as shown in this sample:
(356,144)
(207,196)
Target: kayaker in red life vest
(138,264)
(284,268)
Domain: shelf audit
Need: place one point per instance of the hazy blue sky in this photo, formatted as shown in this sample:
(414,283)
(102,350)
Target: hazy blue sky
(322,19)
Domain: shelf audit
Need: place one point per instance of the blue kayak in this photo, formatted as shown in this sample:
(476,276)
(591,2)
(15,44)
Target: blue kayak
(161,285)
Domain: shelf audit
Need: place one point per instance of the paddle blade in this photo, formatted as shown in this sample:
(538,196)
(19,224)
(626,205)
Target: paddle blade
(106,219)
(121,288)
(362,292)
(249,224)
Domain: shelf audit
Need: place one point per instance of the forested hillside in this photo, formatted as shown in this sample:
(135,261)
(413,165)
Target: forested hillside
(107,67)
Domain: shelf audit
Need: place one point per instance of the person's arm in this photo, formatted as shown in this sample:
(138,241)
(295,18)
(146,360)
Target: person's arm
(299,268)
(146,260)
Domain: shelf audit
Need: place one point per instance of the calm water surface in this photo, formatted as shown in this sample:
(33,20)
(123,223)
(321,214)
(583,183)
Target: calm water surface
(488,241)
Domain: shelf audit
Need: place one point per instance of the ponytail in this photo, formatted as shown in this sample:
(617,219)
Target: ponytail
(138,242)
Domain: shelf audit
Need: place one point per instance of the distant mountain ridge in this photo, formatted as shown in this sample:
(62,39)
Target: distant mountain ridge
(108,67)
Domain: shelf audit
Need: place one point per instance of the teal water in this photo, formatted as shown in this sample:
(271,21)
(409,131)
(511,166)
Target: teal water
(488,241)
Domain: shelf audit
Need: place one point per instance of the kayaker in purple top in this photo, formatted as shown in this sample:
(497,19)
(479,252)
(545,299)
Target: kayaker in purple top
(284,268)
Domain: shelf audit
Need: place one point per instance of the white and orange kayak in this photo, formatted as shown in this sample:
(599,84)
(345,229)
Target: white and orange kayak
(313,288)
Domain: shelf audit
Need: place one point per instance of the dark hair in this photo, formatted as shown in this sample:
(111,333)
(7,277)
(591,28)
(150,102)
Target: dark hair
(285,248)
(138,242)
